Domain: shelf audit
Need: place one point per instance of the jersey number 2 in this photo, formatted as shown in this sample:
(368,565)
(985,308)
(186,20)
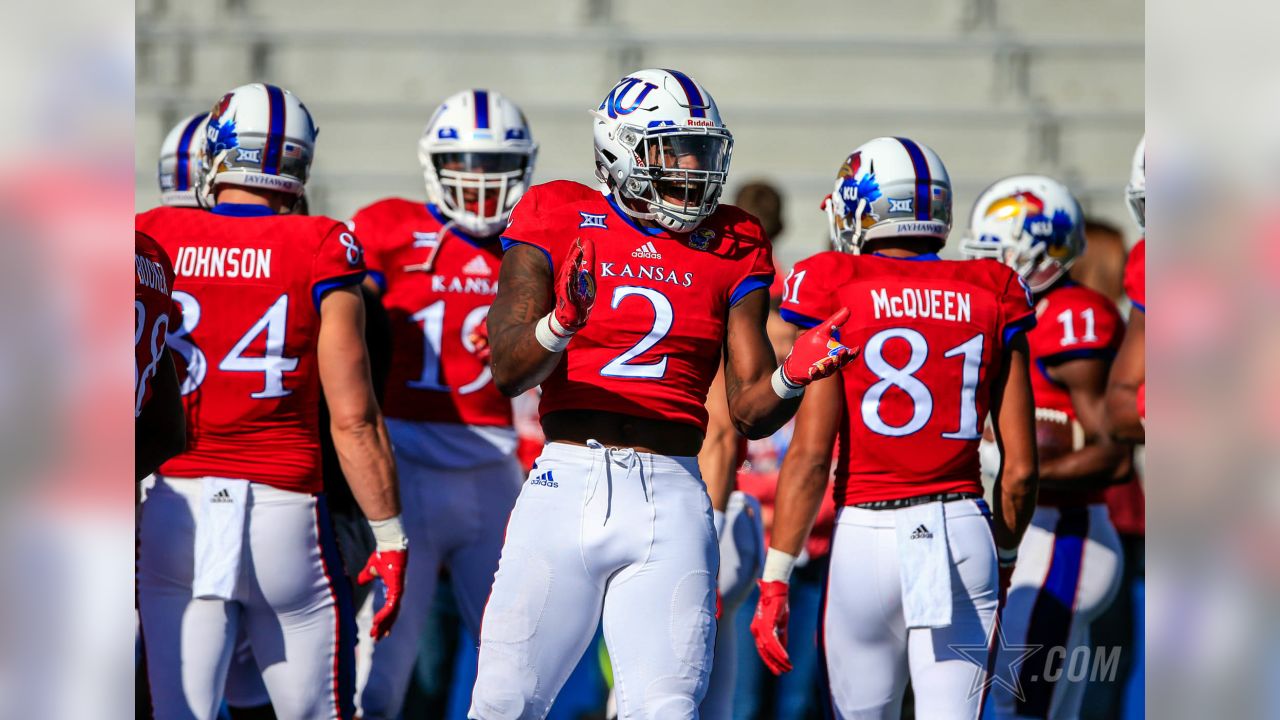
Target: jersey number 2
(663,314)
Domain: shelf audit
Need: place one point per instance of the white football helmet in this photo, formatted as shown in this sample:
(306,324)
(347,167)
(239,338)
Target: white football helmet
(889,187)
(179,169)
(1031,223)
(477,156)
(1136,192)
(258,136)
(662,148)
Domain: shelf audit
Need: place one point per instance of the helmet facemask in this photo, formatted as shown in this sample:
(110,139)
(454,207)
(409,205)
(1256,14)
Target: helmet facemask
(677,173)
(1137,199)
(477,190)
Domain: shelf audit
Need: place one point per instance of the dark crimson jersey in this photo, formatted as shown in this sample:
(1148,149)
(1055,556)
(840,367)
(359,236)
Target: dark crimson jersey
(249,283)
(1135,276)
(154,314)
(1074,322)
(932,334)
(437,287)
(652,344)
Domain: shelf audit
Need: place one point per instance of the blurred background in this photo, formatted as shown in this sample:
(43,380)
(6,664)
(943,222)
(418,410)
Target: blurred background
(995,86)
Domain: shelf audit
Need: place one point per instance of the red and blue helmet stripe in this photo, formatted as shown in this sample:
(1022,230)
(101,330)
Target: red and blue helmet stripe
(481,98)
(924,179)
(697,106)
(272,152)
(182,172)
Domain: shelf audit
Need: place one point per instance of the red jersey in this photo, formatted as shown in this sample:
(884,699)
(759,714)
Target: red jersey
(652,344)
(437,288)
(931,333)
(249,283)
(1135,276)
(1075,322)
(154,314)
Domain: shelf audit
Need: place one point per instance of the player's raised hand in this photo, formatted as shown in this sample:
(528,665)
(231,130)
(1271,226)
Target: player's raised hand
(479,339)
(817,353)
(769,626)
(576,286)
(390,566)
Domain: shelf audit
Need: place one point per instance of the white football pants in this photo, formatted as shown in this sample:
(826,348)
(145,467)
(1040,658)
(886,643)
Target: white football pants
(868,651)
(291,599)
(1068,573)
(454,518)
(607,530)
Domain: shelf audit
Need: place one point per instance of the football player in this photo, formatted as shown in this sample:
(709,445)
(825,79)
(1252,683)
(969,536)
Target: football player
(1069,561)
(914,572)
(614,517)
(159,424)
(236,533)
(436,266)
(1127,390)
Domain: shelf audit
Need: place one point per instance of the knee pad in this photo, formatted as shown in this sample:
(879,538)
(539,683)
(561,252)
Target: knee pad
(669,698)
(504,690)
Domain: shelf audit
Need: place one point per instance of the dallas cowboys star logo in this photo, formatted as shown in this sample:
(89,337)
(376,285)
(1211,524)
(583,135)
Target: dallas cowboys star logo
(1009,679)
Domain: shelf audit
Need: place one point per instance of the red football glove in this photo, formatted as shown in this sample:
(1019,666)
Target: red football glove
(818,353)
(479,339)
(576,286)
(769,626)
(390,566)
(719,603)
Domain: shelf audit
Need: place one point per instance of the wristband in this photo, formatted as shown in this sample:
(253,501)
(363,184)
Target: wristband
(778,566)
(389,534)
(551,334)
(1006,557)
(784,387)
(717,519)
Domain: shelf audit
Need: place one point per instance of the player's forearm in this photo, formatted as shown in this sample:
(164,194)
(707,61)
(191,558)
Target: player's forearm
(1123,421)
(718,464)
(1015,495)
(1093,466)
(519,361)
(364,452)
(801,486)
(758,411)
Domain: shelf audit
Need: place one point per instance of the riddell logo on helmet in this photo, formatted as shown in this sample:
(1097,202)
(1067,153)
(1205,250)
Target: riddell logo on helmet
(699,122)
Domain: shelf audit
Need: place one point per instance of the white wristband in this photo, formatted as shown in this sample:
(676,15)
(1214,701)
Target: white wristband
(717,519)
(783,387)
(778,566)
(1005,556)
(551,334)
(389,534)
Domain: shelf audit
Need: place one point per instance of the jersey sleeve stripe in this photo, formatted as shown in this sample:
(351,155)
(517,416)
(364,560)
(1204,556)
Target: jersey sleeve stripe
(796,318)
(750,284)
(1022,324)
(508,243)
(1077,354)
(379,279)
(1141,307)
(320,289)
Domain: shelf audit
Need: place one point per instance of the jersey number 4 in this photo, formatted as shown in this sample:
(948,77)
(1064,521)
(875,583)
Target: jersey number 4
(272,363)
(904,378)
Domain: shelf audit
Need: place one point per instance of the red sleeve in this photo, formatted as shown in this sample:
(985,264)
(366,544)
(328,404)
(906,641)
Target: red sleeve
(366,222)
(1017,311)
(759,269)
(338,262)
(1077,323)
(809,289)
(528,226)
(1135,276)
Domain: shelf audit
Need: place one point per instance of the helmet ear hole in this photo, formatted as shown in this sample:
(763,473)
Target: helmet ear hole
(609,156)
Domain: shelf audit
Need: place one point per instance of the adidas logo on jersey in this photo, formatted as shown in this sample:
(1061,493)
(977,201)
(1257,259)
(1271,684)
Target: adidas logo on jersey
(545,480)
(647,250)
(476,266)
(921,533)
(222,496)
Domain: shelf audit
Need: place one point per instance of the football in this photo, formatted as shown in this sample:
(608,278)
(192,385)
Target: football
(1057,434)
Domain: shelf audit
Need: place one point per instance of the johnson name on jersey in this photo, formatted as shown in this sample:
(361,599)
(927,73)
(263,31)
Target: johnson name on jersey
(437,287)
(932,333)
(652,345)
(249,284)
(154,314)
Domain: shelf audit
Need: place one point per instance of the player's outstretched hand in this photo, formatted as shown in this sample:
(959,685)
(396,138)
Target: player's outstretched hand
(390,566)
(818,353)
(479,339)
(576,286)
(769,626)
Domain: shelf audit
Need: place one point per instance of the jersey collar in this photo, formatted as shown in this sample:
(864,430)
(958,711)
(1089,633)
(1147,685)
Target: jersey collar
(914,258)
(242,210)
(653,232)
(441,218)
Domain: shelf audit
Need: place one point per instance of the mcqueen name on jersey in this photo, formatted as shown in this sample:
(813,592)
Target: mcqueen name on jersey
(647,272)
(929,303)
(218,262)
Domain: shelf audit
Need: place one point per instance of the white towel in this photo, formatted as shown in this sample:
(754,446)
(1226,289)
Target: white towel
(219,536)
(925,565)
